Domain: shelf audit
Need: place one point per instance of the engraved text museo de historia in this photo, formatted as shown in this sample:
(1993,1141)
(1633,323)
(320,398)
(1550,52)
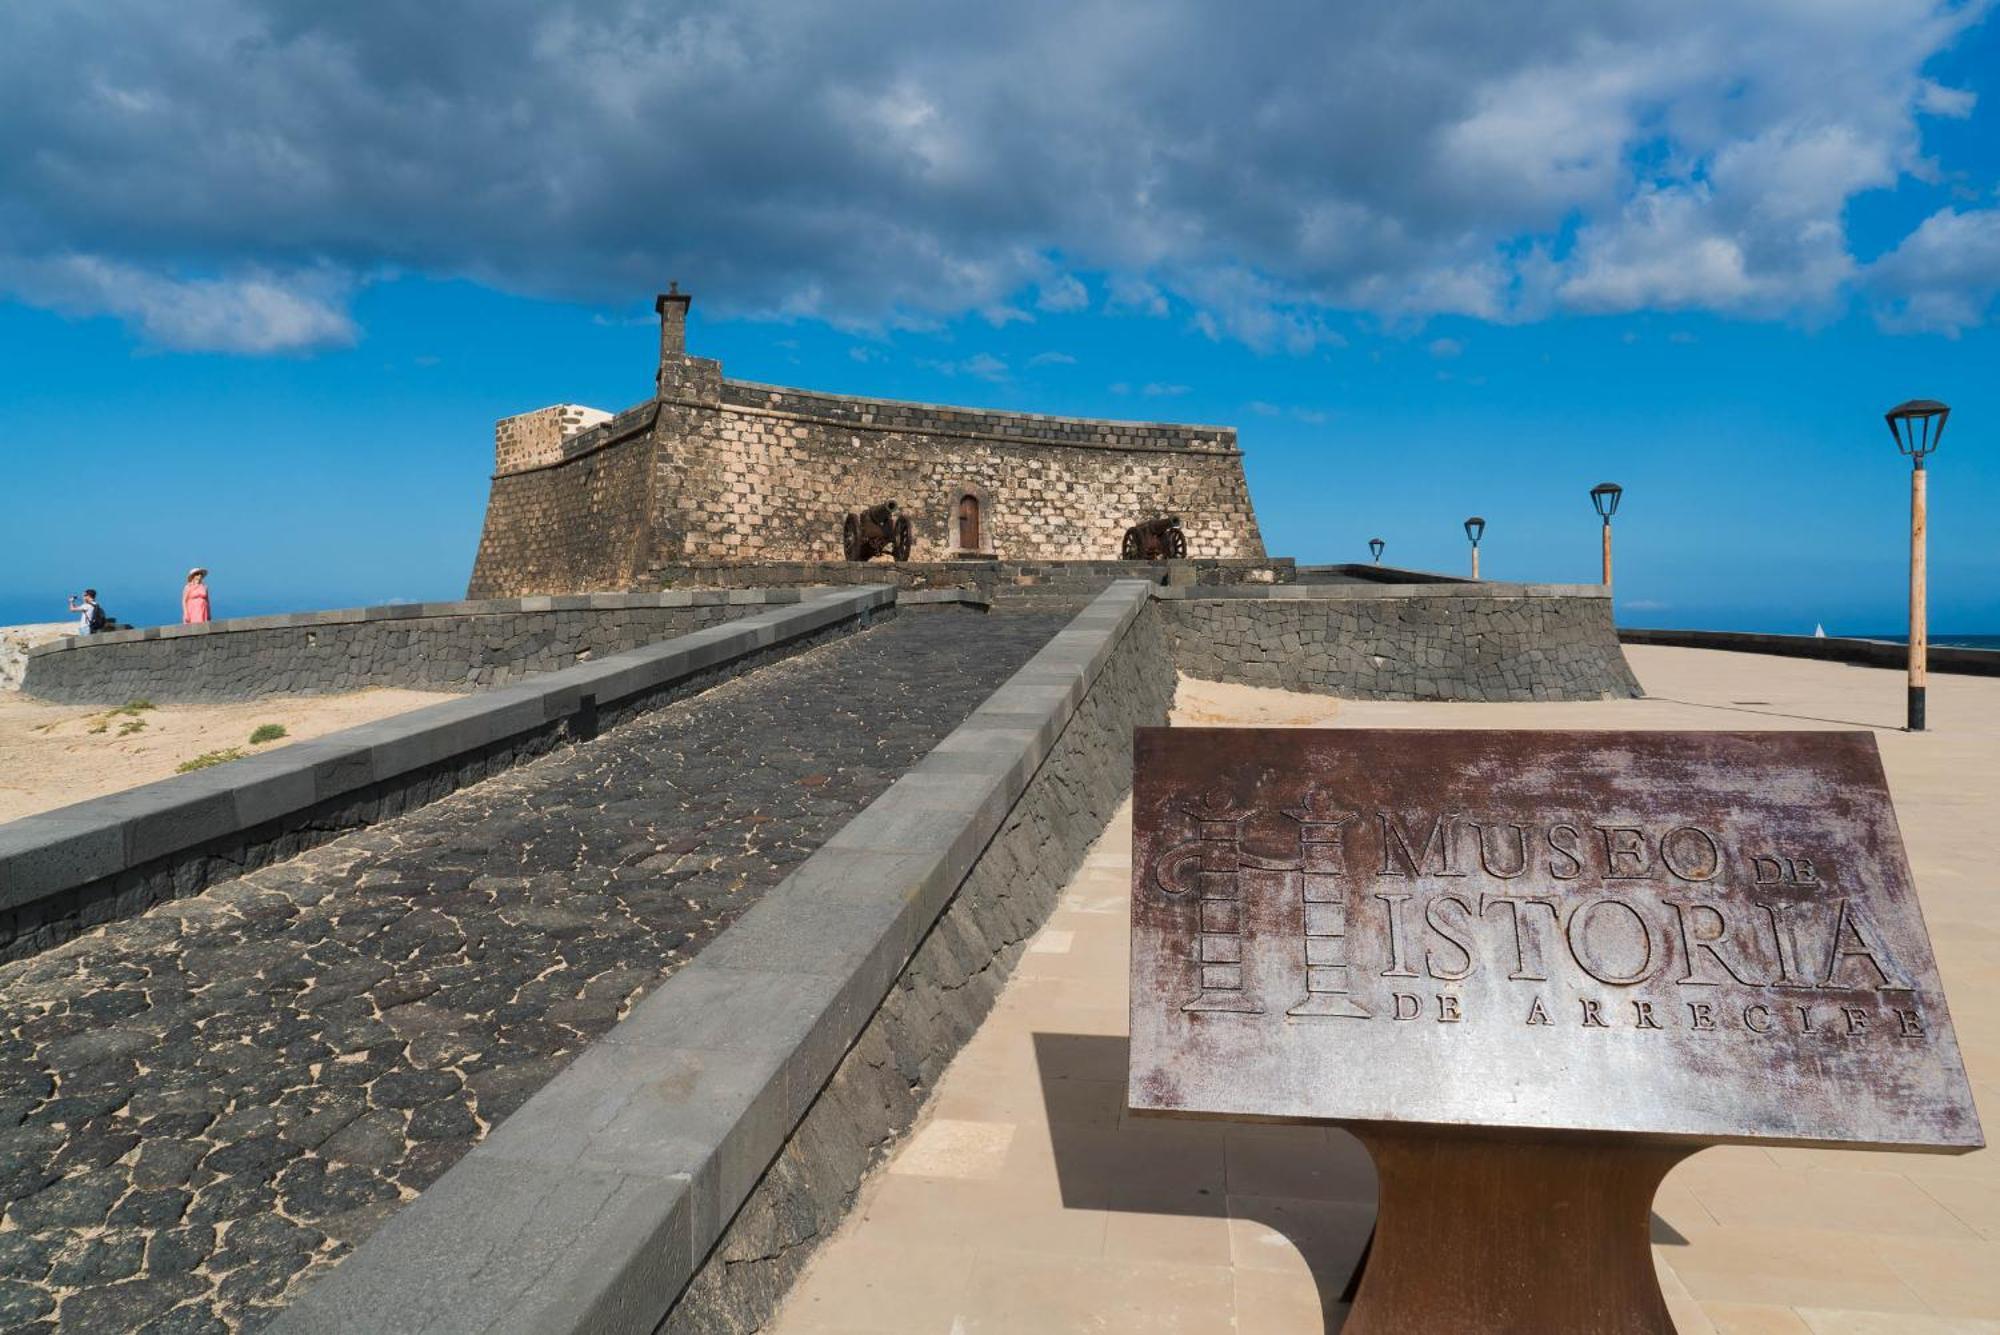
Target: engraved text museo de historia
(1669,919)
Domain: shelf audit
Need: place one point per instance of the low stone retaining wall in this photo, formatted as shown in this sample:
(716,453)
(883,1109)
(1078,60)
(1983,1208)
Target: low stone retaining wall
(677,1175)
(994,578)
(67,870)
(458,646)
(1828,648)
(1403,642)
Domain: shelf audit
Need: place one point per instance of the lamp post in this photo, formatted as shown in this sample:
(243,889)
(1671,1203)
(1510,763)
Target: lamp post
(1474,528)
(1375,546)
(1917,427)
(1605,496)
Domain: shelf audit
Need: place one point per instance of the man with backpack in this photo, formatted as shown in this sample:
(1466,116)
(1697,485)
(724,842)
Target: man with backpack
(91,615)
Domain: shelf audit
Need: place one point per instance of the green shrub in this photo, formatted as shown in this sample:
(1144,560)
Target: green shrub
(267,732)
(130,726)
(207,758)
(134,707)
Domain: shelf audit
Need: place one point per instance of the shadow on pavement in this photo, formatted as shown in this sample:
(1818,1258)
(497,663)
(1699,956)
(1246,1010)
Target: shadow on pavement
(1313,1187)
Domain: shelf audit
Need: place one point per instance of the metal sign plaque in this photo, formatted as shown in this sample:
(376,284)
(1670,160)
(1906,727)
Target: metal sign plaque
(1698,936)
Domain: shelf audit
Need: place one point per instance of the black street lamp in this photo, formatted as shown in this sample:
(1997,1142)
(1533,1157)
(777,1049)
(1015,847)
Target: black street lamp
(1375,546)
(1475,528)
(1605,497)
(1917,426)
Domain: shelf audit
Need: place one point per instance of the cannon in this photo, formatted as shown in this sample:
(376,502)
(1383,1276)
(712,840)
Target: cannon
(1155,540)
(876,530)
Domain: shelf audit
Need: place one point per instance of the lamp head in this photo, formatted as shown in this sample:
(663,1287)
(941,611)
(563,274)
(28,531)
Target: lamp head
(1475,527)
(1605,496)
(1375,546)
(1917,425)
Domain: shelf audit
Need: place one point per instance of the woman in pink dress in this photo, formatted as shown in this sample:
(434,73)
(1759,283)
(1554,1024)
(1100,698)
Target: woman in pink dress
(194,597)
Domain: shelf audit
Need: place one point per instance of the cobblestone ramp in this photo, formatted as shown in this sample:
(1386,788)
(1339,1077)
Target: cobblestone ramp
(203,1107)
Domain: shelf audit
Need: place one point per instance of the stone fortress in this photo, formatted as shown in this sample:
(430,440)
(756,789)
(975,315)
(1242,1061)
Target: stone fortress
(719,470)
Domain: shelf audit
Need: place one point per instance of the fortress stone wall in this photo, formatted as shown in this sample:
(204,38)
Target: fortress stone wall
(713,469)
(532,439)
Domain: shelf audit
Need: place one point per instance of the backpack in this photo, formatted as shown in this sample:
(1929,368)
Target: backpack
(97,617)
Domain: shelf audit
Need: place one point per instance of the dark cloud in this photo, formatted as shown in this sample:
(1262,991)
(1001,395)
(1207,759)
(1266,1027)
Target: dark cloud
(221,173)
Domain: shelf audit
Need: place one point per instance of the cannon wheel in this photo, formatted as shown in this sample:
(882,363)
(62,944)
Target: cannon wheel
(902,540)
(850,539)
(1130,551)
(1176,544)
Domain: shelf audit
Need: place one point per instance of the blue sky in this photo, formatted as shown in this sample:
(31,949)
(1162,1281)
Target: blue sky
(265,281)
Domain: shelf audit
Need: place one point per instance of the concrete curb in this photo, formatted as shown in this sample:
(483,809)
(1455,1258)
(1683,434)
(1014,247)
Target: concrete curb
(592,1207)
(926,599)
(58,853)
(1827,648)
(1353,592)
(568,602)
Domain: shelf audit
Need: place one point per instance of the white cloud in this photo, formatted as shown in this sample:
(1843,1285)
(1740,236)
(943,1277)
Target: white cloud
(1062,293)
(242,165)
(1670,249)
(1443,348)
(1937,100)
(1052,359)
(1156,390)
(1944,277)
(980,366)
(252,311)
(1136,294)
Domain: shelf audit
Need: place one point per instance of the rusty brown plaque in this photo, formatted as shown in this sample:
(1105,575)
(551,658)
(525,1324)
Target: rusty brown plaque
(1696,936)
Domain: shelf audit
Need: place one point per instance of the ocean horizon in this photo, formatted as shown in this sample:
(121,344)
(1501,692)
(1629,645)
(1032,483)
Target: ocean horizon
(1944,641)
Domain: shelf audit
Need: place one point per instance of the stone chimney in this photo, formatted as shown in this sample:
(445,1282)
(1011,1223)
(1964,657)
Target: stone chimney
(672,305)
(682,378)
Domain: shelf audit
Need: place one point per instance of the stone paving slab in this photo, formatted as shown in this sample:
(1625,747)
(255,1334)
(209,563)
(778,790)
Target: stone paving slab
(204,1107)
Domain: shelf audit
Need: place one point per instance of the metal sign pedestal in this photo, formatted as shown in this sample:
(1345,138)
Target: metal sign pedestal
(1489,1234)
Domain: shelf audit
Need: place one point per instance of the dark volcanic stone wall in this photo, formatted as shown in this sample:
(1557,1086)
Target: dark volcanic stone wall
(943,994)
(1472,646)
(438,653)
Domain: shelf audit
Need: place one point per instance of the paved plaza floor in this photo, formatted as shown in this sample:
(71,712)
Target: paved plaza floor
(1027,1201)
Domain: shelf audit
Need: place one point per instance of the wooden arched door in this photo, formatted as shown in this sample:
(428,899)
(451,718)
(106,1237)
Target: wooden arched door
(968,523)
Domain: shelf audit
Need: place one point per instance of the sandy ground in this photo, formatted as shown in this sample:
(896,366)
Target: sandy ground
(52,755)
(15,641)
(1213,704)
